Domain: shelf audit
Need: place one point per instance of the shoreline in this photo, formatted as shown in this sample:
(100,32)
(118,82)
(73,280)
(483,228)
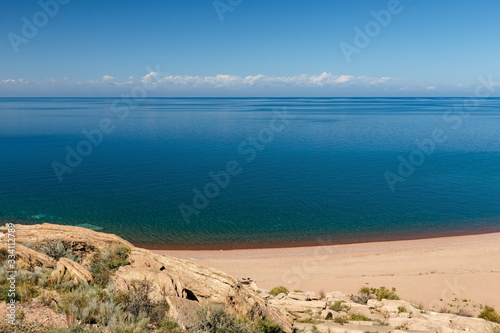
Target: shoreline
(434,272)
(324,241)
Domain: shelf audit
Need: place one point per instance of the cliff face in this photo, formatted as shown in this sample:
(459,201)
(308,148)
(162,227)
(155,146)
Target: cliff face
(186,285)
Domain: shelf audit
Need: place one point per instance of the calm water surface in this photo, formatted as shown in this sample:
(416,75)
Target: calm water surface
(319,176)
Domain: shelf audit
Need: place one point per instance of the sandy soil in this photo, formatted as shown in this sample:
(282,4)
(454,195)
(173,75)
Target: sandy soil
(438,272)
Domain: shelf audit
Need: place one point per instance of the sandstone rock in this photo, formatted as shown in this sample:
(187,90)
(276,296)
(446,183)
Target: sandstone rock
(77,272)
(360,310)
(172,276)
(254,286)
(32,257)
(313,296)
(41,232)
(280,296)
(399,303)
(404,315)
(329,314)
(373,303)
(297,306)
(264,295)
(299,297)
(389,310)
(303,316)
(184,311)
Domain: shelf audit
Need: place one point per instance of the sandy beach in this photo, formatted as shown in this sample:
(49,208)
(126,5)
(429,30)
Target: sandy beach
(462,271)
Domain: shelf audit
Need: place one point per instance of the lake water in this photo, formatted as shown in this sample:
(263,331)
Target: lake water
(223,172)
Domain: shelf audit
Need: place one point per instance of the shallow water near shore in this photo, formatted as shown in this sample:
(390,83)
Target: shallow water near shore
(301,170)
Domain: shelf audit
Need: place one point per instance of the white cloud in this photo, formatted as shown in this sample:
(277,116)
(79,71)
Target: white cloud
(234,81)
(160,84)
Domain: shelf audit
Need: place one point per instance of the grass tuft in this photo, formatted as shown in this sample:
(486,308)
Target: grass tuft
(278,290)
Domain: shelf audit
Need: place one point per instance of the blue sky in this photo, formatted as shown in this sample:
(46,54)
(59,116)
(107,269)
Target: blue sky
(260,48)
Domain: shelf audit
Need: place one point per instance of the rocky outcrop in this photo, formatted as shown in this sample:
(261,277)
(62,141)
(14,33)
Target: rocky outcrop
(183,279)
(78,273)
(336,312)
(32,257)
(177,280)
(38,233)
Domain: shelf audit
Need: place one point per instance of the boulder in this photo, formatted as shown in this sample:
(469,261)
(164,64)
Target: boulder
(184,310)
(329,314)
(298,297)
(399,303)
(75,270)
(361,310)
(31,257)
(373,303)
(297,306)
(389,311)
(313,296)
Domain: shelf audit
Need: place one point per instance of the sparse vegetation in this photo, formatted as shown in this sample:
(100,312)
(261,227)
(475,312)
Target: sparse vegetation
(402,309)
(133,311)
(105,263)
(341,320)
(384,293)
(358,317)
(278,290)
(138,301)
(57,249)
(215,319)
(490,314)
(337,306)
(404,326)
(365,293)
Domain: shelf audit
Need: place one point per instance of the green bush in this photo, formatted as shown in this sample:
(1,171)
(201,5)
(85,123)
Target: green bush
(384,293)
(381,293)
(169,326)
(90,305)
(490,314)
(103,264)
(337,306)
(137,302)
(267,326)
(215,319)
(278,290)
(133,311)
(27,283)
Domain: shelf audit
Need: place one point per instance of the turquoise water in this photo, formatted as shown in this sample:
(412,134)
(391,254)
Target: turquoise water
(316,174)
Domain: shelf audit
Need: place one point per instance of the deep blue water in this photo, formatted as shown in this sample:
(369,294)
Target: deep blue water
(318,174)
